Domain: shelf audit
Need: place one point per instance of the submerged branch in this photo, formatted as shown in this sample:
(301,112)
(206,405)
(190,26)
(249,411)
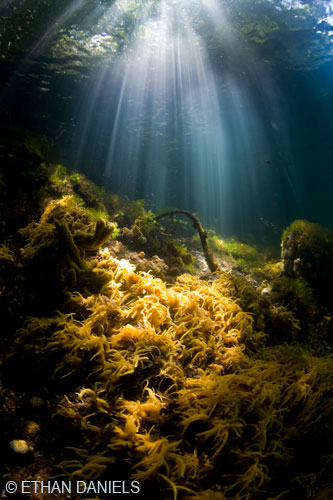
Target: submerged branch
(212,264)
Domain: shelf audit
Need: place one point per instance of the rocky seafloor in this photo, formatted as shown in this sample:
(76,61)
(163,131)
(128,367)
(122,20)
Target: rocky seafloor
(129,367)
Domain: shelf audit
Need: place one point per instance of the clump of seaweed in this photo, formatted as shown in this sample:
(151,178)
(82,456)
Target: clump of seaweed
(57,247)
(176,384)
(62,182)
(198,389)
(6,257)
(274,320)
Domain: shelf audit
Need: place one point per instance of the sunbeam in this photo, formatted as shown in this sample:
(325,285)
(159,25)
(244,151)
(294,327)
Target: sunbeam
(177,108)
(167,132)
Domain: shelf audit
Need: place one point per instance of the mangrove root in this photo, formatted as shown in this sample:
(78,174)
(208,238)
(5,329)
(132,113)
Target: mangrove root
(211,262)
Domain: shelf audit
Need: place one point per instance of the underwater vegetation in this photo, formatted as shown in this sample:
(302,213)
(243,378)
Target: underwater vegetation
(307,253)
(197,388)
(242,255)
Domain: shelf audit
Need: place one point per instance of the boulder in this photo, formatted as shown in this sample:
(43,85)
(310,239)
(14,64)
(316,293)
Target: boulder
(307,253)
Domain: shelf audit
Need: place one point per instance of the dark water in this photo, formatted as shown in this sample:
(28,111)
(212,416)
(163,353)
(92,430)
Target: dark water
(221,108)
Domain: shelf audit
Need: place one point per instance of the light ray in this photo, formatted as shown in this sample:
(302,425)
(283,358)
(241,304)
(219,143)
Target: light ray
(178,133)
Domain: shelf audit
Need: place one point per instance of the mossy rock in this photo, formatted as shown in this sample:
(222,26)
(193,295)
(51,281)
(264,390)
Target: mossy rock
(307,253)
(244,256)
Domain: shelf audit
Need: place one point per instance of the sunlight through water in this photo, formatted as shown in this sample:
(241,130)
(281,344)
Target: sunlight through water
(187,104)
(170,130)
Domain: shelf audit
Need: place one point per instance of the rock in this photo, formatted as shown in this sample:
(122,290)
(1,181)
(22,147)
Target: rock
(20,446)
(31,428)
(36,402)
(307,253)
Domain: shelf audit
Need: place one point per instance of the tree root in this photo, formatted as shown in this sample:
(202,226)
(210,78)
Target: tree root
(211,262)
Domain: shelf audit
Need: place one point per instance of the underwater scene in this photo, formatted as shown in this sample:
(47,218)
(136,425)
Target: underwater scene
(166,253)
